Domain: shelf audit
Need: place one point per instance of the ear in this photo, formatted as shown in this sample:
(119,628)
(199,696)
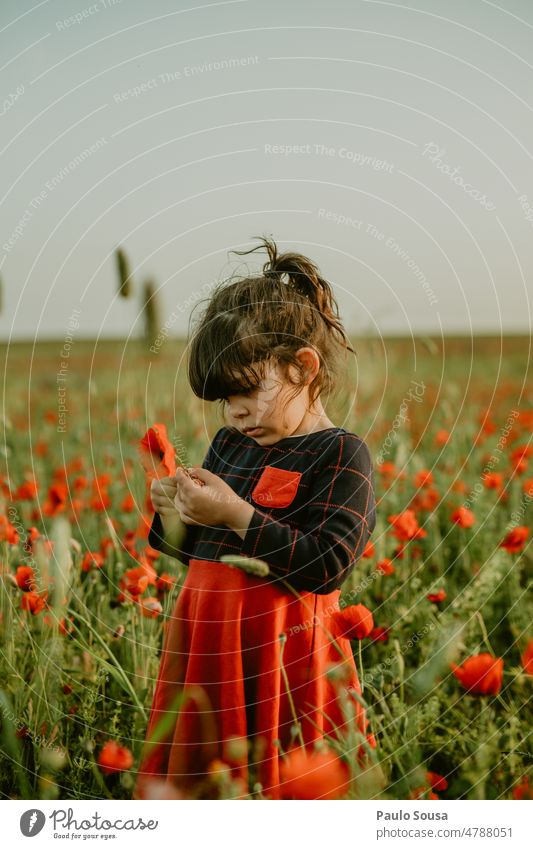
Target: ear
(310,359)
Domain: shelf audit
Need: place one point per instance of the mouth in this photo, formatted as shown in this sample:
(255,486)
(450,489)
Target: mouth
(252,431)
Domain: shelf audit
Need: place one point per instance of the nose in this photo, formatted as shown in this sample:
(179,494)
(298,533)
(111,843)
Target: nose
(237,409)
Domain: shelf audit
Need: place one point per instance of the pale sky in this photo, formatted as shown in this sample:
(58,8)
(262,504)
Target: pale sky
(389,142)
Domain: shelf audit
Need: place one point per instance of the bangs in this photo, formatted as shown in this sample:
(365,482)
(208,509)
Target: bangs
(219,367)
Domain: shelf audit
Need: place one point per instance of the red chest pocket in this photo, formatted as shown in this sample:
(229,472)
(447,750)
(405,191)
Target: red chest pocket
(276,487)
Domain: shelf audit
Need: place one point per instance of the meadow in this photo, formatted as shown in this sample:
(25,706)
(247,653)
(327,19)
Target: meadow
(447,670)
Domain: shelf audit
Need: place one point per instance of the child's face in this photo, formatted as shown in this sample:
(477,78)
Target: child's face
(268,408)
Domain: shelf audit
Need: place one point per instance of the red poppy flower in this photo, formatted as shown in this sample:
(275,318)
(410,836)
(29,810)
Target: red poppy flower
(65,626)
(80,483)
(406,525)
(34,534)
(516,539)
(521,452)
(423,478)
(523,790)
(8,532)
(442,437)
(25,578)
(437,781)
(165,583)
(527,658)
(26,491)
(481,674)
(379,634)
(463,517)
(427,499)
(34,602)
(368,550)
(157,453)
(487,426)
(527,486)
(459,486)
(399,552)
(390,472)
(114,758)
(354,622)
(91,560)
(57,499)
(385,566)
(151,607)
(135,581)
(128,541)
(100,499)
(492,480)
(313,775)
(106,544)
(128,503)
(437,597)
(41,448)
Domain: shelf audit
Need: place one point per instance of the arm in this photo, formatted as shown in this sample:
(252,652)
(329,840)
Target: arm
(341,516)
(172,536)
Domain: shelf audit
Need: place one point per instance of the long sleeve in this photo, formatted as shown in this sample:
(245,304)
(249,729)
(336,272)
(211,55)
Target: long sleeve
(183,551)
(340,518)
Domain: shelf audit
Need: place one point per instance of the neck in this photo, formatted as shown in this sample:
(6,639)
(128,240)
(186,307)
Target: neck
(312,421)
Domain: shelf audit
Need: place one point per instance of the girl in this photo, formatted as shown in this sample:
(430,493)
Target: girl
(281,483)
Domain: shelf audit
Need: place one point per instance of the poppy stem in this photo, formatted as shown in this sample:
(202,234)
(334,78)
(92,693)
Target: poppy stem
(484,632)
(361,667)
(282,641)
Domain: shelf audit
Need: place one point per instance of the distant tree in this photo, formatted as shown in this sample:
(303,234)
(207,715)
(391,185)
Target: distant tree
(151,313)
(124,277)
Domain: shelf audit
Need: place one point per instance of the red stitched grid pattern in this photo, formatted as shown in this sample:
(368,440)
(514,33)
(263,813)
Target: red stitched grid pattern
(315,542)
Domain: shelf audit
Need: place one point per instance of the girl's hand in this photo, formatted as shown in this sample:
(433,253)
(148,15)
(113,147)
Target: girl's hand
(205,501)
(162,495)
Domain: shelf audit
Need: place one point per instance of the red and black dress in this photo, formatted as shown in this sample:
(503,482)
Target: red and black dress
(221,679)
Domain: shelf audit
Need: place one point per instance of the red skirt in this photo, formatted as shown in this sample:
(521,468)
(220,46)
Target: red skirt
(221,684)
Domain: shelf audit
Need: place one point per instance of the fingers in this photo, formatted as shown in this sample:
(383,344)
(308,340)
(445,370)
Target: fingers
(165,486)
(162,493)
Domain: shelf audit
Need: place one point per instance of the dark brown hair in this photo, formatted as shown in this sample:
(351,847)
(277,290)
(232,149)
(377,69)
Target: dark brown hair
(261,317)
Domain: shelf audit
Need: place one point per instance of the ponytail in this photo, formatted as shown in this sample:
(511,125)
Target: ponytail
(304,278)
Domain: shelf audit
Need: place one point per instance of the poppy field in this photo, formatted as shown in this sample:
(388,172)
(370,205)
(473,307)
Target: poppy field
(439,609)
